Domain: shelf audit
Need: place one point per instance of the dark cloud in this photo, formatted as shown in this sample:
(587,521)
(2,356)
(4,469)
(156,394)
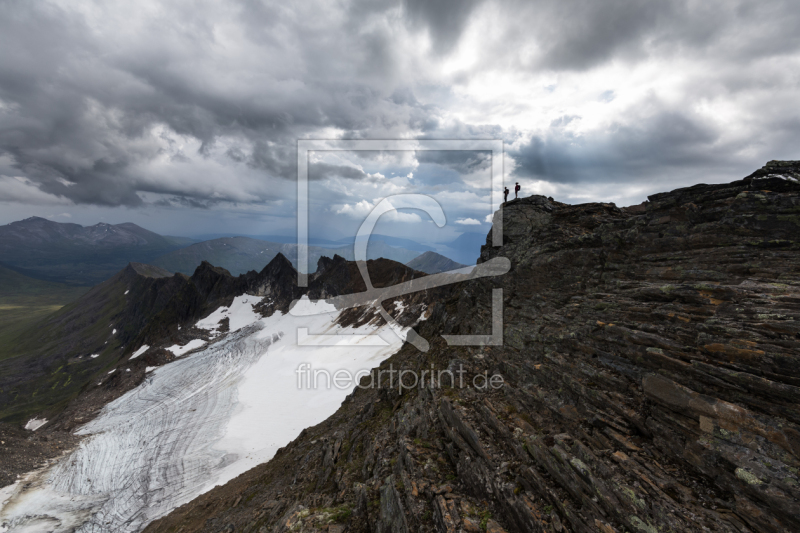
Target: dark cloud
(183,201)
(444,20)
(655,144)
(202,104)
(82,108)
(582,33)
(321,171)
(461,161)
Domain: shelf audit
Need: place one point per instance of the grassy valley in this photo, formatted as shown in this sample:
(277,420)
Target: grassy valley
(24,301)
(46,359)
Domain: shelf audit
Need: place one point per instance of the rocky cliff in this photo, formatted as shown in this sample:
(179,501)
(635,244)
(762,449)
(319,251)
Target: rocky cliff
(650,382)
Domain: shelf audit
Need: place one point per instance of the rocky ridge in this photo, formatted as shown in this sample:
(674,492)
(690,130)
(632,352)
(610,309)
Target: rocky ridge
(650,383)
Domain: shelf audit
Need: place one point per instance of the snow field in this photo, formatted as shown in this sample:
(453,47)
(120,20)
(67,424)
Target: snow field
(198,421)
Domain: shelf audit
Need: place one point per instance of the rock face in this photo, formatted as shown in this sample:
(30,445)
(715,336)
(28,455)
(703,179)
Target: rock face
(650,382)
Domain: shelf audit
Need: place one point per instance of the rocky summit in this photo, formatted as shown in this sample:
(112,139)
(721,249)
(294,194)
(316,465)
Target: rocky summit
(648,381)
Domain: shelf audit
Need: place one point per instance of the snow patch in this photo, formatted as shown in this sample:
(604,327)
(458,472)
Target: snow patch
(126,292)
(95,355)
(306,307)
(5,494)
(240,314)
(35,423)
(114,370)
(149,369)
(192,345)
(114,332)
(140,351)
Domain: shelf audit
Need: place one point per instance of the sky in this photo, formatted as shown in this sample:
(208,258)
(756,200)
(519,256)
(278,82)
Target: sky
(184,117)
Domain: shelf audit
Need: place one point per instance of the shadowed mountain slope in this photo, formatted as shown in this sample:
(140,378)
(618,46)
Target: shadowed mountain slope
(24,300)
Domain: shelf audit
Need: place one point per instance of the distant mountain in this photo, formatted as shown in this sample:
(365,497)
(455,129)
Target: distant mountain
(281,239)
(381,249)
(243,254)
(235,254)
(465,248)
(433,263)
(180,241)
(398,242)
(74,254)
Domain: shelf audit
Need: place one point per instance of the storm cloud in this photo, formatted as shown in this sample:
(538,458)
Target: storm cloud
(199,105)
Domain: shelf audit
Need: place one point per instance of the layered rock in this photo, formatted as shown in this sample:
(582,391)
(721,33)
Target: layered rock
(650,382)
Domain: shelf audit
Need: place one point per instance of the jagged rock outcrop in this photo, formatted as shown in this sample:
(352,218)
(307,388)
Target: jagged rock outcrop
(59,358)
(778,169)
(650,382)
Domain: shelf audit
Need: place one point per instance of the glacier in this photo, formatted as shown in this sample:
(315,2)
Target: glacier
(197,422)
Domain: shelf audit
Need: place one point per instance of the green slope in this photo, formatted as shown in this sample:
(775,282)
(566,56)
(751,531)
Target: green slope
(24,301)
(46,360)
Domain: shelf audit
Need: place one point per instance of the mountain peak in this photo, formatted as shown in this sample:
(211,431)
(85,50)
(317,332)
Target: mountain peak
(206,267)
(433,263)
(279,263)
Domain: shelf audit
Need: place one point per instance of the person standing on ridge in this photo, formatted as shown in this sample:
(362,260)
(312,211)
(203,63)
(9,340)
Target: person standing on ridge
(505,194)
(516,190)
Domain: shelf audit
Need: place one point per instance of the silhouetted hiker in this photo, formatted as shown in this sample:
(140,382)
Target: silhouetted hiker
(516,190)
(505,194)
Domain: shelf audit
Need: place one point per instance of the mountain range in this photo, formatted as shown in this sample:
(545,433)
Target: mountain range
(397,242)
(635,370)
(75,254)
(84,256)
